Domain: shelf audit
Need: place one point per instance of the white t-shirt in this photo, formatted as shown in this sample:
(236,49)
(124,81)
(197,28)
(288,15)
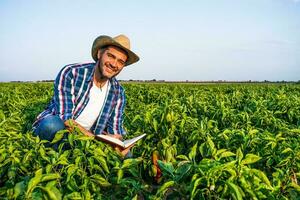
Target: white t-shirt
(93,108)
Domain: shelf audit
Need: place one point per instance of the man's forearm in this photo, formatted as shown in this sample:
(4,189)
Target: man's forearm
(71,123)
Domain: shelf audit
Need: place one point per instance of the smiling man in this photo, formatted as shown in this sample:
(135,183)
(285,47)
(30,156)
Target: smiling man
(88,95)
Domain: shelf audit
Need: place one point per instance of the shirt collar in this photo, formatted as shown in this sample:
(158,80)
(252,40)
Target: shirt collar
(92,71)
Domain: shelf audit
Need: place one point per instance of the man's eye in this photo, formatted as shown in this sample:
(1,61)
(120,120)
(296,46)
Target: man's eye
(122,62)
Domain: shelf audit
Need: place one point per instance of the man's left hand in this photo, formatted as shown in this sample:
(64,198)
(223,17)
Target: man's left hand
(124,152)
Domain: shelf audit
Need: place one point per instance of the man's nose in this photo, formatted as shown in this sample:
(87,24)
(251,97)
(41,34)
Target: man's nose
(114,63)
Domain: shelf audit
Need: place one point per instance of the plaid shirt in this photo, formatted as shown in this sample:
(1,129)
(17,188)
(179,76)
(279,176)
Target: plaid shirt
(71,95)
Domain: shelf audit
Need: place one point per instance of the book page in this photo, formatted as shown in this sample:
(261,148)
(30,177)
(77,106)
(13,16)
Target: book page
(111,140)
(129,142)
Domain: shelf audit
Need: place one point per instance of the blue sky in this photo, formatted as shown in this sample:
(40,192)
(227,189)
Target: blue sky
(176,40)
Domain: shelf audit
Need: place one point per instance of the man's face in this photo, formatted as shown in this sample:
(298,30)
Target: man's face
(111,61)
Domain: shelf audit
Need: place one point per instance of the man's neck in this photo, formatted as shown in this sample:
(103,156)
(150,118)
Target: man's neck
(99,82)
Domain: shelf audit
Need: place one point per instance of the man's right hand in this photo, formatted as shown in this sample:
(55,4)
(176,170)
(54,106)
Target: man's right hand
(117,136)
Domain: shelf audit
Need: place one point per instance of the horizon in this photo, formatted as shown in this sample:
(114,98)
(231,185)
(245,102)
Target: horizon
(169,81)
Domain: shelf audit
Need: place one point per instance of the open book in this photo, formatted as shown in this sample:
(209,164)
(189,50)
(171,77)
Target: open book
(123,144)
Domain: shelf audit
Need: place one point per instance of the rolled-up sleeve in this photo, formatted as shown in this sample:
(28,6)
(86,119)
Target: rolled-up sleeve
(63,93)
(115,122)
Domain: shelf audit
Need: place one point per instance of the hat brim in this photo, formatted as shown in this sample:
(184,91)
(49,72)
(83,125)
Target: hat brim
(103,41)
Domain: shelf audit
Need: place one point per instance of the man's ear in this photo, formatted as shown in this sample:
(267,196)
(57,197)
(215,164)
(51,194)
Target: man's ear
(99,53)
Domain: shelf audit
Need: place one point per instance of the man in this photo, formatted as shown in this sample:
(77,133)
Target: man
(88,95)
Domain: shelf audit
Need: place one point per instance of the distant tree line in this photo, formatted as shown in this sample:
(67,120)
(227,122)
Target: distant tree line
(186,81)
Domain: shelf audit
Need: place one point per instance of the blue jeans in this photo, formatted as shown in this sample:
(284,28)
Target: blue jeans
(47,128)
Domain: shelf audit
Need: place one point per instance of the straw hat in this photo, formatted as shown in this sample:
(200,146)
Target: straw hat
(120,41)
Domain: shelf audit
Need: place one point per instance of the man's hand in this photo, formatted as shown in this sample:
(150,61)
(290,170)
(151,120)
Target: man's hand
(124,152)
(117,136)
(70,124)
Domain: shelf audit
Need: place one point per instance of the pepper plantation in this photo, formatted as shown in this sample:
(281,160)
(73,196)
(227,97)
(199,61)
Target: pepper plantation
(204,141)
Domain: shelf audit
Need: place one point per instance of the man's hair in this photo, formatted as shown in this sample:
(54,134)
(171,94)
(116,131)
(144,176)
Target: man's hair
(102,49)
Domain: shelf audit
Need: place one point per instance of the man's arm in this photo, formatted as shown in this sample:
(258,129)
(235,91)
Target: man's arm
(115,122)
(72,123)
(64,93)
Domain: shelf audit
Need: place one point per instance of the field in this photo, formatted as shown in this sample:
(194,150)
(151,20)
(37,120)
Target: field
(229,141)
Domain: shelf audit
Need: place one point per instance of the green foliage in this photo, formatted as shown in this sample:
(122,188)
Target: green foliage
(212,142)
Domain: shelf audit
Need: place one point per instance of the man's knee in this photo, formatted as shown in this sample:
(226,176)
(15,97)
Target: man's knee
(48,127)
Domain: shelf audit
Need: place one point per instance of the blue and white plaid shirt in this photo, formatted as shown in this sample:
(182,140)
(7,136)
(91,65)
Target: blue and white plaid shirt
(71,95)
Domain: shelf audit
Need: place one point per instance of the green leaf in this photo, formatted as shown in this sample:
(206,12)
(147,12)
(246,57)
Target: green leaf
(155,125)
(220,151)
(262,177)
(250,158)
(43,154)
(19,189)
(232,172)
(128,163)
(100,180)
(49,177)
(63,161)
(195,185)
(253,132)
(203,149)
(223,153)
(285,161)
(239,155)
(137,117)
(135,197)
(37,195)
(71,139)
(52,192)
(71,171)
(84,138)
(87,195)
(193,152)
(287,150)
(99,152)
(168,155)
(120,175)
(226,154)
(165,187)
(295,186)
(235,190)
(27,156)
(73,196)
(167,168)
(34,181)
(103,163)
(182,170)
(59,136)
(183,157)
(72,185)
(52,183)
(211,145)
(295,130)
